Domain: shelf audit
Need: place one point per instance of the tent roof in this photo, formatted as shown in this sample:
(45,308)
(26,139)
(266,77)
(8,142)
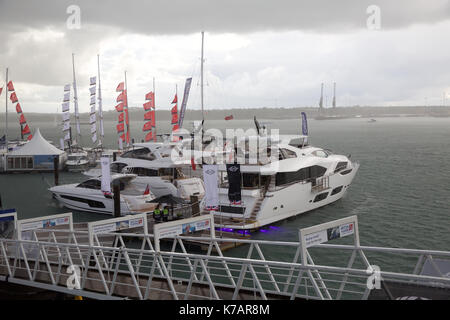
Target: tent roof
(37,146)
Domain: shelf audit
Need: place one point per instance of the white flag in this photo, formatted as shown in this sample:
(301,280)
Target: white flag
(67,136)
(106,174)
(66,126)
(92,100)
(92,118)
(120,144)
(65,106)
(211,188)
(67,87)
(92,90)
(93,128)
(94,137)
(66,96)
(61,142)
(65,116)
(92,80)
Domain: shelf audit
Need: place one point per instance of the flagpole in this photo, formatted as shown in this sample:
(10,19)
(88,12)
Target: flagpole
(126,106)
(100,107)
(201,77)
(154,109)
(6,113)
(75,100)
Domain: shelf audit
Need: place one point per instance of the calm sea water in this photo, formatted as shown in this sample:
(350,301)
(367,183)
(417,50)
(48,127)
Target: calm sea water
(400,194)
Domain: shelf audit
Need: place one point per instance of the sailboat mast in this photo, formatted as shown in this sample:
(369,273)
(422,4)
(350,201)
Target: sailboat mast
(154,103)
(334,95)
(201,76)
(100,107)
(6,113)
(126,105)
(75,99)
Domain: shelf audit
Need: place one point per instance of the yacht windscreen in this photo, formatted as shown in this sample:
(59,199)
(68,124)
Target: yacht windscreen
(142,153)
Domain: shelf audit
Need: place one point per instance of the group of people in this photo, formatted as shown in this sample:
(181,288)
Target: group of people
(163,214)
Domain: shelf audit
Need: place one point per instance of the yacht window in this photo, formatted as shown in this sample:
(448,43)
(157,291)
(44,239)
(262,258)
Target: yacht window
(142,153)
(250,180)
(320,153)
(340,166)
(303,174)
(91,184)
(143,171)
(30,163)
(117,167)
(288,153)
(165,172)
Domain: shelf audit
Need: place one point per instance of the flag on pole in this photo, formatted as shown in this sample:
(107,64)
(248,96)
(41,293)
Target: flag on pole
(13,97)
(10,86)
(120,87)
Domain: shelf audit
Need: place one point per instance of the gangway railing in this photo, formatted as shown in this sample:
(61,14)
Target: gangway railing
(118,265)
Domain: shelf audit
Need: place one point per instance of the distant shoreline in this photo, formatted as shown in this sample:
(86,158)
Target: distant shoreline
(262,113)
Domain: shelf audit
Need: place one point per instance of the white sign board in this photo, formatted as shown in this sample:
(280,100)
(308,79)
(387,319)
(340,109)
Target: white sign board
(322,233)
(184,226)
(8,223)
(44,223)
(117,224)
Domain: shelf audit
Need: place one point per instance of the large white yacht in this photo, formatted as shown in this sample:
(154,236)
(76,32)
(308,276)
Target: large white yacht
(299,178)
(155,166)
(88,196)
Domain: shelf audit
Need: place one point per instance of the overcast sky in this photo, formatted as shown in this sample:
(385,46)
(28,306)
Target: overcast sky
(259,53)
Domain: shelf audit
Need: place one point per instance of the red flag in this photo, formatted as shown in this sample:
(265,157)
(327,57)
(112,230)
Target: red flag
(174,109)
(174,119)
(10,86)
(120,117)
(193,163)
(120,97)
(149,115)
(147,106)
(1,89)
(22,118)
(26,130)
(13,97)
(119,107)
(230,117)
(18,108)
(147,126)
(120,127)
(127,121)
(148,136)
(120,87)
(147,190)
(149,96)
(122,137)
(175,127)
(128,137)
(30,137)
(175,100)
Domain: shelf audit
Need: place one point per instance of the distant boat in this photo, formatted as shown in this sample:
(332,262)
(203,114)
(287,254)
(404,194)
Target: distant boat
(230,117)
(372,120)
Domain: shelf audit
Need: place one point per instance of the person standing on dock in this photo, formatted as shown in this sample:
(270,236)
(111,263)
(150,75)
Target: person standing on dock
(157,214)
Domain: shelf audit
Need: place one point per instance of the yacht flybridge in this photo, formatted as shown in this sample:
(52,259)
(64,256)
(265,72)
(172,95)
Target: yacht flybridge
(297,178)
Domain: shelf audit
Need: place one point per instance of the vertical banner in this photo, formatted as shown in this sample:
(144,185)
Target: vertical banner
(234,183)
(211,188)
(304,124)
(187,88)
(106,174)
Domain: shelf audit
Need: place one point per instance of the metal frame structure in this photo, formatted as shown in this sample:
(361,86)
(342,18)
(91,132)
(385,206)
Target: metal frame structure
(120,265)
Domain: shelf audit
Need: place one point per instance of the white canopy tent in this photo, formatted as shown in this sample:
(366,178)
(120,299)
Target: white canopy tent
(37,154)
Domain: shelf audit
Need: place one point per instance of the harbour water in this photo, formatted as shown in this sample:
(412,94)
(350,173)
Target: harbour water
(400,193)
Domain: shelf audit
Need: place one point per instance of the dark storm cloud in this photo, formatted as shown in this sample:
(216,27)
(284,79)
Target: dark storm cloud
(188,16)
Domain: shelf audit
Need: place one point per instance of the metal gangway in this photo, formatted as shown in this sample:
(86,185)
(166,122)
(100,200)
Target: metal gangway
(111,260)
